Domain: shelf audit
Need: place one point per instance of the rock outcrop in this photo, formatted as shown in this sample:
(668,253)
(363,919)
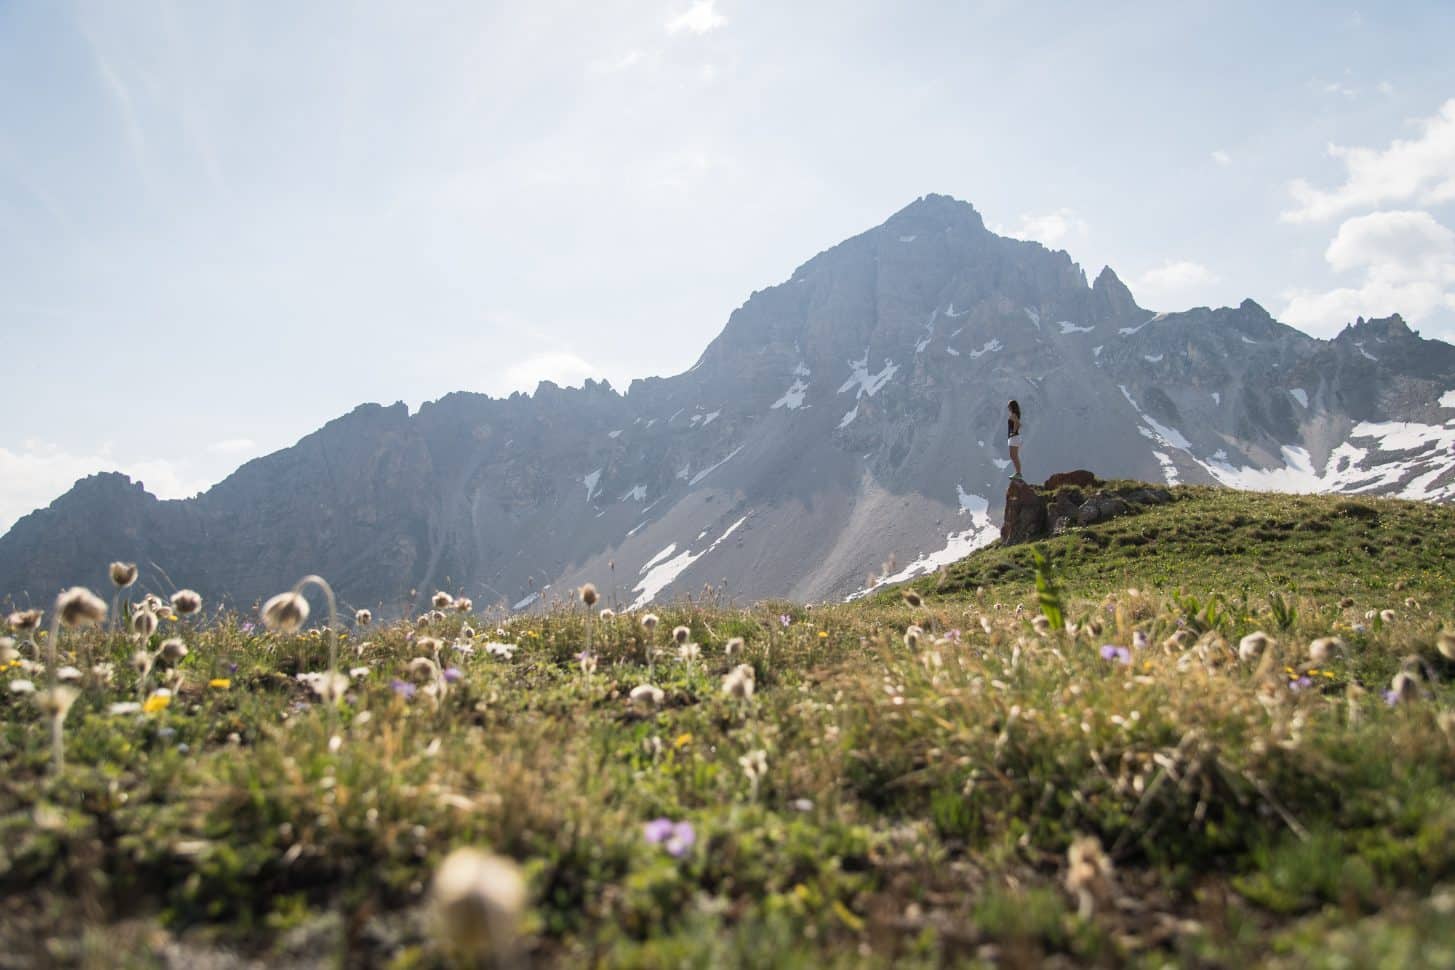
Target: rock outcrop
(1032,513)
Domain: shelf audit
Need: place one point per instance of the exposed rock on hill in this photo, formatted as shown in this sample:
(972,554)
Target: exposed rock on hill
(845,429)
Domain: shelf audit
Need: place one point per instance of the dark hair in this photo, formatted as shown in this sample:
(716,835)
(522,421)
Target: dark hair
(1015,408)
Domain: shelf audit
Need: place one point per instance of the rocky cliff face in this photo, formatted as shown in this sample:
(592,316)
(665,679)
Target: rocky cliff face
(850,416)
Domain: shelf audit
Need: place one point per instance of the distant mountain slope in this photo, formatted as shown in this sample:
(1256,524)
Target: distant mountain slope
(846,417)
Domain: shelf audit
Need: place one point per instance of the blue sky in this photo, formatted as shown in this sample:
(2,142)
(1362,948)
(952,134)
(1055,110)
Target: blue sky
(227,222)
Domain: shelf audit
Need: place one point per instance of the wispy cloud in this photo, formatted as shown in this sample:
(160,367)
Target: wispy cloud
(1420,170)
(1222,157)
(1048,228)
(699,18)
(1173,281)
(560,367)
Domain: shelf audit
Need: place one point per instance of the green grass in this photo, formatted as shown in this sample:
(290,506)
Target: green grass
(919,800)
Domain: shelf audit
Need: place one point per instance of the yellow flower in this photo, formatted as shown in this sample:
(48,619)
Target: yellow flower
(823,634)
(683,740)
(220,683)
(157,702)
(172,617)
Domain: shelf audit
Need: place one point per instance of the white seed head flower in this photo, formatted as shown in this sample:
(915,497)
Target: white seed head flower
(363,617)
(1251,647)
(733,646)
(647,695)
(650,621)
(681,633)
(588,594)
(607,613)
(477,899)
(912,636)
(1386,616)
(141,661)
(143,623)
(173,650)
(689,652)
(1140,640)
(1445,643)
(285,613)
(912,598)
(467,632)
(68,674)
(21,686)
(123,574)
(79,606)
(1405,687)
(186,601)
(442,600)
(1089,874)
(23,621)
(754,764)
(1041,625)
(740,682)
(464,604)
(56,702)
(1324,649)
(986,625)
(8,653)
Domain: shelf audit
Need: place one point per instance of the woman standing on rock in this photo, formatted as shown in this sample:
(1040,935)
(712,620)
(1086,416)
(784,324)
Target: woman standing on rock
(1013,435)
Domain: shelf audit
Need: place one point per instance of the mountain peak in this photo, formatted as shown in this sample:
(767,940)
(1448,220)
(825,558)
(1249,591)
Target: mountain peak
(1112,295)
(937,211)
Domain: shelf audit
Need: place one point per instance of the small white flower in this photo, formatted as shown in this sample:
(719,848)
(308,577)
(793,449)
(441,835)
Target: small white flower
(1251,647)
(688,652)
(647,695)
(502,650)
(22,687)
(740,682)
(68,674)
(123,707)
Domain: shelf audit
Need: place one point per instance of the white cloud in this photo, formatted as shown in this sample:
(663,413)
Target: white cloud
(38,473)
(699,18)
(1049,228)
(560,367)
(1408,264)
(1174,281)
(1385,88)
(1419,169)
(1335,87)
(232,446)
(615,65)
(1222,157)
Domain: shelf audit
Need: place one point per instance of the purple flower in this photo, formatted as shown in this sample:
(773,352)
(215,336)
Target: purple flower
(676,837)
(247,627)
(785,619)
(1391,698)
(1302,683)
(452,674)
(1111,651)
(953,635)
(232,668)
(403,688)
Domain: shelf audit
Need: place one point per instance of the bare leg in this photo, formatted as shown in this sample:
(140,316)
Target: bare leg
(1015,458)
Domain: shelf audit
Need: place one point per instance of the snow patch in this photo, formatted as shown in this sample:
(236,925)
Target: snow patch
(614,434)
(849,417)
(1035,317)
(1447,400)
(908,238)
(709,417)
(526,602)
(990,347)
(1000,463)
(590,482)
(1360,345)
(1152,358)
(951,312)
(711,468)
(1169,469)
(637,493)
(1154,429)
(867,383)
(1247,339)
(952,352)
(1096,351)
(981,533)
(660,571)
(1300,395)
(1217,398)
(792,398)
(1068,327)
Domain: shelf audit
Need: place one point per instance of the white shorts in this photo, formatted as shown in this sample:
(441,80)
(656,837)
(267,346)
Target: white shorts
(1014,441)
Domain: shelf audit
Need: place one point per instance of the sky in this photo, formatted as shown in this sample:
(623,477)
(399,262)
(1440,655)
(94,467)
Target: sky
(225,223)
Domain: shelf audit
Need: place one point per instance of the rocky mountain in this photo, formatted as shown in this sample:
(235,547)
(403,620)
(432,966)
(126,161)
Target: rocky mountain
(849,416)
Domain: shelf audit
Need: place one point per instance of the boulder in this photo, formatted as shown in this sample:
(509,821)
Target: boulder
(1147,496)
(1025,514)
(1081,478)
(1100,507)
(1062,512)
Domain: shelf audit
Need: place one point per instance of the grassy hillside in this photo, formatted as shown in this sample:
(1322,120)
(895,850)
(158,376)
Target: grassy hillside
(1118,788)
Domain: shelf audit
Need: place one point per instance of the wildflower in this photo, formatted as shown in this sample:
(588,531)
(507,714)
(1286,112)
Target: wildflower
(587,661)
(1386,616)
(451,674)
(329,685)
(423,621)
(1140,640)
(428,645)
(607,613)
(464,604)
(68,674)
(733,646)
(784,619)
(143,623)
(502,650)
(363,617)
(442,600)
(1403,689)
(123,707)
(1445,643)
(1089,874)
(8,653)
(285,613)
(23,621)
(1110,651)
(647,695)
(911,636)
(675,837)
(1301,683)
(986,625)
(79,606)
(912,598)
(680,634)
(1253,645)
(123,574)
(1178,640)
(403,688)
(650,621)
(688,652)
(823,634)
(740,682)
(1041,625)
(477,900)
(158,702)
(755,766)
(186,602)
(682,740)
(357,672)
(173,650)
(56,702)
(22,686)
(588,594)
(1322,650)
(220,683)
